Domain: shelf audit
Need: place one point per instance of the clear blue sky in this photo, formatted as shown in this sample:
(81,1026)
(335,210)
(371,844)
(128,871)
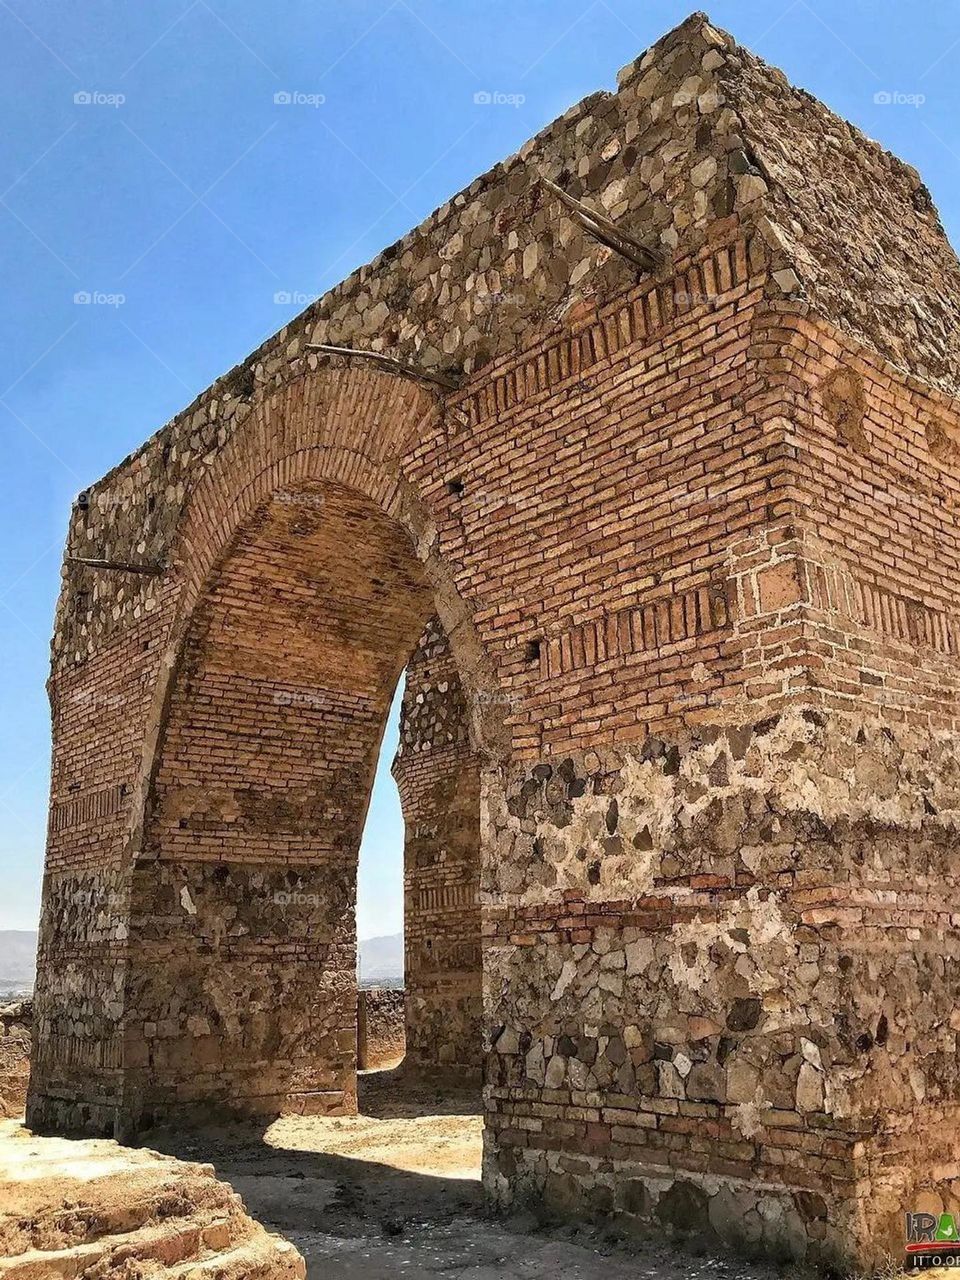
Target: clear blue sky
(199,199)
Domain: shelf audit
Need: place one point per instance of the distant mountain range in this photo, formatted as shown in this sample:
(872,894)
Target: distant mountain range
(380,959)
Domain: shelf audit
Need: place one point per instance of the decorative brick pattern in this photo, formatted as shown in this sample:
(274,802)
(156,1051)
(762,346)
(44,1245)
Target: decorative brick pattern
(649,629)
(86,809)
(652,310)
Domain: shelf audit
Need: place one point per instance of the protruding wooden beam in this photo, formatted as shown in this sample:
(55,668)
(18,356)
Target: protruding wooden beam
(449,382)
(607,232)
(119,566)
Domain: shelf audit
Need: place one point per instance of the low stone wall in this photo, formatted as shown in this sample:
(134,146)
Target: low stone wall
(16,1022)
(381,1039)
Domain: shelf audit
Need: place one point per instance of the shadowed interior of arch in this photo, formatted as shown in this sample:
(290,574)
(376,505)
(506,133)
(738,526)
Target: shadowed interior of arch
(241,989)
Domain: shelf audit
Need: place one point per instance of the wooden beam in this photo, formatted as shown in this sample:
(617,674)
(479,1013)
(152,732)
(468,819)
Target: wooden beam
(449,382)
(120,566)
(607,232)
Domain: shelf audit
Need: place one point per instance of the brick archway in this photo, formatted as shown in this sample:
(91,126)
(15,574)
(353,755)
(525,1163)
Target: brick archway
(304,574)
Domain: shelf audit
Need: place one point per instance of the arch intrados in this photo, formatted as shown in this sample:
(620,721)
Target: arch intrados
(230,493)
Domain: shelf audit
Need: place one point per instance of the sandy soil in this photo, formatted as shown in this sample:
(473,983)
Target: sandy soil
(395,1192)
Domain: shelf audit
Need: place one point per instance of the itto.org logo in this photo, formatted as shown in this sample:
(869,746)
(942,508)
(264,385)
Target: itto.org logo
(933,1240)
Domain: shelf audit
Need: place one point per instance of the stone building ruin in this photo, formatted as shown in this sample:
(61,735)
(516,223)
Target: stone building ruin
(660,494)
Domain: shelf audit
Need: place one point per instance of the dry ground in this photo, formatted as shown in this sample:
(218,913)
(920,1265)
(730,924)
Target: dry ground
(395,1192)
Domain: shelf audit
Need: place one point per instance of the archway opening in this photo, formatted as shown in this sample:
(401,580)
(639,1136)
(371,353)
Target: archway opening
(435,787)
(241,986)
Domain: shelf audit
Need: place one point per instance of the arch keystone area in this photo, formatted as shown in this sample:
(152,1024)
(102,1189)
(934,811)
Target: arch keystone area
(673,568)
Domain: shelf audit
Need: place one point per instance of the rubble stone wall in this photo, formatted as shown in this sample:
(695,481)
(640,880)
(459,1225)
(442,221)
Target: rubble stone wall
(381,1038)
(438,777)
(744,1029)
(688,536)
(16,1026)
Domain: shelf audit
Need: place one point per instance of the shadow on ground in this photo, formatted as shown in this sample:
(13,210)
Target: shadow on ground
(395,1192)
(398,1095)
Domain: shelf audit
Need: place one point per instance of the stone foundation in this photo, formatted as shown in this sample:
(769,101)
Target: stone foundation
(744,1032)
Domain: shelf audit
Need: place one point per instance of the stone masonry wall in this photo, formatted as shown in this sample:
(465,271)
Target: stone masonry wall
(748,959)
(438,777)
(689,535)
(381,1036)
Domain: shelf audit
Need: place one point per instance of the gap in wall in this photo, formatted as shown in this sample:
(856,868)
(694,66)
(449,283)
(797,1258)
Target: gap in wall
(380,868)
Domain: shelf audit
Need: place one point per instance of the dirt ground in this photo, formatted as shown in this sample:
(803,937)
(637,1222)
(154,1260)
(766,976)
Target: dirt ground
(395,1192)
